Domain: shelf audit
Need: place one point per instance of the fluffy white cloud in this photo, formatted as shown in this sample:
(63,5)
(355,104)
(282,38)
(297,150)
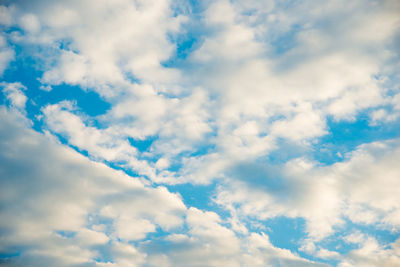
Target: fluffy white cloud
(364,189)
(108,146)
(372,254)
(14,93)
(30,23)
(260,72)
(208,243)
(179,124)
(60,208)
(91,35)
(261,76)
(262,252)
(288,94)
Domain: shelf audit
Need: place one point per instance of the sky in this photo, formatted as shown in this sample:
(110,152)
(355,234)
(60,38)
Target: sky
(199,133)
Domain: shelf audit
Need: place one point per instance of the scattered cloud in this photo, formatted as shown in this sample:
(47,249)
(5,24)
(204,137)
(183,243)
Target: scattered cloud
(245,98)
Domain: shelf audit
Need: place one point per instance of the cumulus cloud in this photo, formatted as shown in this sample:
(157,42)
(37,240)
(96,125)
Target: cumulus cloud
(14,93)
(207,243)
(362,189)
(215,90)
(238,78)
(63,209)
(373,254)
(60,208)
(91,59)
(108,146)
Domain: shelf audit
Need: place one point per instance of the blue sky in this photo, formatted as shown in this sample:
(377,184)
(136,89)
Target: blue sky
(199,133)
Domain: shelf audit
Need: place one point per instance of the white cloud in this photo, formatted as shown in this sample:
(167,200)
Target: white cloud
(100,144)
(92,59)
(63,209)
(14,93)
(355,238)
(208,243)
(261,73)
(373,254)
(72,70)
(364,189)
(262,251)
(6,15)
(389,114)
(53,200)
(237,78)
(327,254)
(180,125)
(30,23)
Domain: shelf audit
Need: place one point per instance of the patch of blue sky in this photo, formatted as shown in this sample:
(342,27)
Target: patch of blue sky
(186,42)
(330,261)
(175,165)
(285,232)
(95,219)
(345,136)
(190,37)
(67,45)
(159,235)
(191,8)
(202,149)
(128,75)
(24,70)
(142,145)
(5,256)
(336,242)
(66,234)
(3,98)
(9,30)
(10,251)
(185,8)
(198,196)
(284,42)
(104,254)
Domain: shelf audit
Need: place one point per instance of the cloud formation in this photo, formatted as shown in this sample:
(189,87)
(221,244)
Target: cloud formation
(63,209)
(284,109)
